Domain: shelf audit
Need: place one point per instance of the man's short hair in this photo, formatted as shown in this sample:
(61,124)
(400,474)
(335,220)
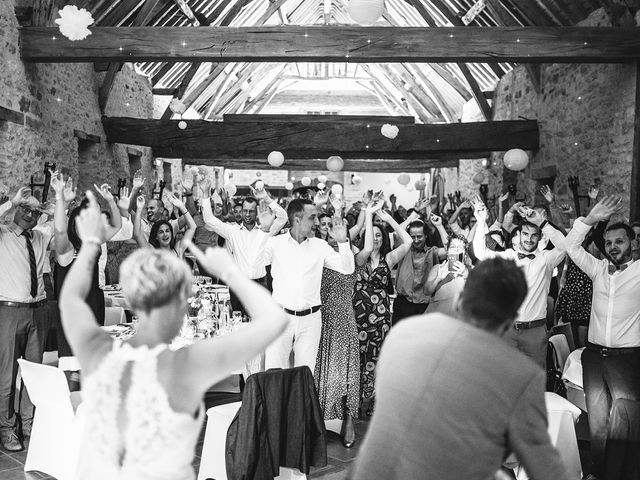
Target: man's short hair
(493,293)
(249,199)
(296,208)
(531,225)
(417,224)
(622,226)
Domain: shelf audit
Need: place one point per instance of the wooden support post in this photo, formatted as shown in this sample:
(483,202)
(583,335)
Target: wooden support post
(635,157)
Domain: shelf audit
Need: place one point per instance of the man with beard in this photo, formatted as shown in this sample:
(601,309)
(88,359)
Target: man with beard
(529,333)
(23,313)
(611,360)
(246,241)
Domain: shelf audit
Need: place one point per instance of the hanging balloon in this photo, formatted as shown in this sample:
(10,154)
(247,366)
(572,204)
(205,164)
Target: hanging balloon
(366,12)
(404,179)
(420,184)
(335,163)
(231,189)
(322,179)
(337,189)
(275,159)
(356,179)
(479,178)
(516,159)
(259,185)
(321,186)
(305,181)
(288,186)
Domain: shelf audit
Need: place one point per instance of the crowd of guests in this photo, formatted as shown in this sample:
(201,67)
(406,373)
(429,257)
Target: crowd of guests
(342,283)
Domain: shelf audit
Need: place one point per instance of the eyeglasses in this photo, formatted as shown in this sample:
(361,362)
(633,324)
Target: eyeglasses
(30,211)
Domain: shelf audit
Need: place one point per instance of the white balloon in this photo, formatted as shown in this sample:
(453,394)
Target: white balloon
(404,179)
(259,185)
(275,159)
(182,124)
(306,181)
(336,188)
(366,12)
(288,186)
(231,189)
(335,163)
(516,159)
(321,186)
(322,179)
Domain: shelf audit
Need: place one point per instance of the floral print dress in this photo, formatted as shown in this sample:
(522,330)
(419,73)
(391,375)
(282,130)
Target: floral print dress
(371,305)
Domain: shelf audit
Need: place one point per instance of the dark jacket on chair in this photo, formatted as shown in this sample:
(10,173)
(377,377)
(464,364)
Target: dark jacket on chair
(279,424)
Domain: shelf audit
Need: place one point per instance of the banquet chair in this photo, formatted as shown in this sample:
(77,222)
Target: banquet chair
(561,348)
(114,316)
(55,435)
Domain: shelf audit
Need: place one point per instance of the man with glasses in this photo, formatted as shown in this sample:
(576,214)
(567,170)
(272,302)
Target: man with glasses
(24,321)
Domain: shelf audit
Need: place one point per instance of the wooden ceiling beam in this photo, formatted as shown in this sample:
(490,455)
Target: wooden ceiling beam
(336,44)
(320,140)
(373,120)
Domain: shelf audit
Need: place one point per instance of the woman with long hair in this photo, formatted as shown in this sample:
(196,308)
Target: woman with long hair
(162,235)
(143,402)
(371,296)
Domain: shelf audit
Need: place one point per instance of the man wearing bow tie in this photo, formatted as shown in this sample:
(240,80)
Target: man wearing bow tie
(611,361)
(529,332)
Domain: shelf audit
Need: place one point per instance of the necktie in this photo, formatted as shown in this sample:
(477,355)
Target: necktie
(614,268)
(530,256)
(32,263)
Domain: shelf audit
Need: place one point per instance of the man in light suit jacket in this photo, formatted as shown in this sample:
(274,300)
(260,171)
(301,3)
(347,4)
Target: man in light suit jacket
(453,399)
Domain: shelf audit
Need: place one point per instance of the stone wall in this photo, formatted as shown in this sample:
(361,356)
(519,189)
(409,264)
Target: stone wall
(585,114)
(58,99)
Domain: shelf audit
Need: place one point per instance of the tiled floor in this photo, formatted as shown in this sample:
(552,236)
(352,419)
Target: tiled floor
(12,467)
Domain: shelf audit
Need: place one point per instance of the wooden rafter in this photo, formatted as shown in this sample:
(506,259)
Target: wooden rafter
(635,157)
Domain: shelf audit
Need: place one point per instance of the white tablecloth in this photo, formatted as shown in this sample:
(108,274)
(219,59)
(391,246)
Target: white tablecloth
(573,368)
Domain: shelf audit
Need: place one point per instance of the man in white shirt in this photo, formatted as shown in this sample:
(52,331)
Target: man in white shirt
(529,332)
(246,241)
(611,361)
(460,221)
(24,321)
(297,260)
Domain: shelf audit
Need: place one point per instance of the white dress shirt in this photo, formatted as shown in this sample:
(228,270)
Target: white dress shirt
(297,268)
(246,246)
(615,304)
(15,269)
(537,271)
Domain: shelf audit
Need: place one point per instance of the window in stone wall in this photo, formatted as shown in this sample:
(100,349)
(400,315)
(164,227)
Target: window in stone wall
(88,159)
(135,162)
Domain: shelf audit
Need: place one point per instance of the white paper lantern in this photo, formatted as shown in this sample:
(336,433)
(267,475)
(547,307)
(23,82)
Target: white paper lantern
(420,185)
(275,159)
(231,189)
(259,185)
(516,159)
(409,188)
(288,186)
(182,124)
(356,179)
(335,163)
(305,181)
(322,179)
(177,106)
(404,179)
(321,186)
(366,12)
(479,178)
(337,189)
(73,22)
(389,131)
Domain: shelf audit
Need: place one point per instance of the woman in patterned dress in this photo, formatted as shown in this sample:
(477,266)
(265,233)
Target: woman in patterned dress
(337,372)
(371,296)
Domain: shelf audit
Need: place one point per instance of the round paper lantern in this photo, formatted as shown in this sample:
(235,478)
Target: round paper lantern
(231,189)
(288,186)
(366,12)
(337,189)
(404,179)
(305,181)
(335,163)
(259,185)
(182,124)
(409,188)
(275,159)
(420,185)
(322,179)
(516,159)
(356,179)
(321,186)
(479,178)
(389,131)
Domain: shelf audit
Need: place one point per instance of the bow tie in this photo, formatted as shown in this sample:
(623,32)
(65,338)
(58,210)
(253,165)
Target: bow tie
(615,268)
(530,256)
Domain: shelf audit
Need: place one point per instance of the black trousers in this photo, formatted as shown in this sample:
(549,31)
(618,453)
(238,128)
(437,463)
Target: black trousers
(623,441)
(607,379)
(403,308)
(236,304)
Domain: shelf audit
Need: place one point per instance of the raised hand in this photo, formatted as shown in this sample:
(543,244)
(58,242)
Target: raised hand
(217,261)
(413,216)
(436,220)
(566,208)
(21,197)
(367,197)
(532,216)
(338,229)
(392,199)
(265,216)
(593,192)
(320,198)
(176,202)
(337,202)
(516,206)
(138,180)
(458,269)
(260,193)
(69,193)
(504,197)
(373,207)
(140,203)
(90,224)
(423,205)
(384,216)
(378,196)
(123,201)
(105,191)
(546,192)
(480,211)
(187,179)
(604,209)
(57,183)
(3,199)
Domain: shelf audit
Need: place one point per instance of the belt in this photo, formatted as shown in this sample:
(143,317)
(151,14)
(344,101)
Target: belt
(611,351)
(528,325)
(23,305)
(302,313)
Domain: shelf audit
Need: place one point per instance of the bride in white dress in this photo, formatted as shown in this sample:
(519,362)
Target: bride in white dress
(142,402)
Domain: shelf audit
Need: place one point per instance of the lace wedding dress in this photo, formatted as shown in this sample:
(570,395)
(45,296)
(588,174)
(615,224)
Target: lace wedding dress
(132,433)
